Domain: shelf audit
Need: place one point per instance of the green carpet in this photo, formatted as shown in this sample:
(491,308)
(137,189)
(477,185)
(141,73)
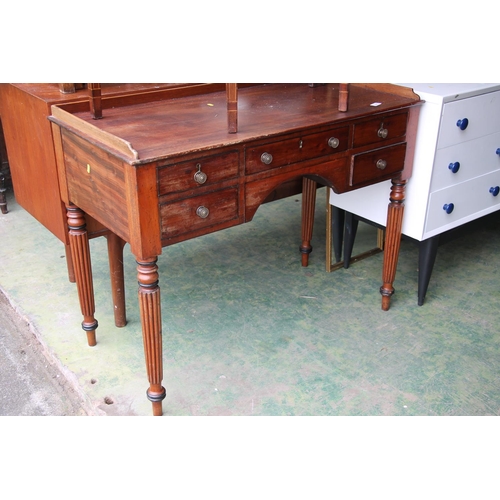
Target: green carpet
(248,331)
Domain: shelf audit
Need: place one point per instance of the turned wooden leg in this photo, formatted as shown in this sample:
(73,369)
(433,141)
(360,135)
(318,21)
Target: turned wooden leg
(115,254)
(150,308)
(69,264)
(80,253)
(308,206)
(393,240)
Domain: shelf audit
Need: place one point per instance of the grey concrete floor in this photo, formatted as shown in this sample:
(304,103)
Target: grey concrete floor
(30,383)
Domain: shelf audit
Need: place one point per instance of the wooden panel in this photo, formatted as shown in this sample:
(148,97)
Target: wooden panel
(300,148)
(364,167)
(96,183)
(181,176)
(368,132)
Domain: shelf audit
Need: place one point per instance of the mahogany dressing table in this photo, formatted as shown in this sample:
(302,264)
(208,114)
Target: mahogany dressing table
(166,170)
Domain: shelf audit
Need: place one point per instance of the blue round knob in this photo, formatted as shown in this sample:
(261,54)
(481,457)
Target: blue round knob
(448,208)
(495,190)
(462,124)
(454,167)
(498,151)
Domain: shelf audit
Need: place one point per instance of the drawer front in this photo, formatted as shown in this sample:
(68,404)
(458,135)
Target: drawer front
(277,154)
(201,171)
(380,129)
(467,198)
(464,161)
(198,212)
(377,164)
(482,114)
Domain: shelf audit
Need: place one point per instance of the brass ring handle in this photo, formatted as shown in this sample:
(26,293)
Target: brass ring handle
(200,177)
(202,212)
(333,142)
(383,133)
(266,158)
(381,164)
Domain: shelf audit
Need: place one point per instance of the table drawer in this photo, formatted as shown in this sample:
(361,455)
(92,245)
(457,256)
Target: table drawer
(464,161)
(380,129)
(201,171)
(277,154)
(481,113)
(466,198)
(378,163)
(198,212)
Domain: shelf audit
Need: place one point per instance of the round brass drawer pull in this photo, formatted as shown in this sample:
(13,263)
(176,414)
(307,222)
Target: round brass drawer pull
(202,212)
(266,158)
(381,164)
(333,142)
(200,177)
(383,133)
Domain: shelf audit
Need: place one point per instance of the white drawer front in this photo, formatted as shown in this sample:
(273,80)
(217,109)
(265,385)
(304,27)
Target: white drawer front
(468,198)
(482,113)
(474,158)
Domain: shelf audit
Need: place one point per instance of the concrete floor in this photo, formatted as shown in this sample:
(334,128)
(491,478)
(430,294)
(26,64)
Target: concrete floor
(248,331)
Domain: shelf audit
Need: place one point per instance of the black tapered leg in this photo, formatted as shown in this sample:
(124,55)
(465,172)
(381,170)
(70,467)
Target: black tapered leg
(338,217)
(427,252)
(351,228)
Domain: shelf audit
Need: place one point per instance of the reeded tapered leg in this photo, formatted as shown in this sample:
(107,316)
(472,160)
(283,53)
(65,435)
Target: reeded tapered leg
(150,308)
(308,206)
(80,254)
(392,240)
(115,254)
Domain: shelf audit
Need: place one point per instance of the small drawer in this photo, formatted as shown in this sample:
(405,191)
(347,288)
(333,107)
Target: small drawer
(277,154)
(198,172)
(380,129)
(377,164)
(191,214)
(469,119)
(464,161)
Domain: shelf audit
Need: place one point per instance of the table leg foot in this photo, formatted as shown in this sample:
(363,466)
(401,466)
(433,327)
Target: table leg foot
(386,297)
(89,328)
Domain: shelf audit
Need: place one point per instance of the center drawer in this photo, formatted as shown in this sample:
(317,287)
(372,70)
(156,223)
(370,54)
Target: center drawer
(285,152)
(190,214)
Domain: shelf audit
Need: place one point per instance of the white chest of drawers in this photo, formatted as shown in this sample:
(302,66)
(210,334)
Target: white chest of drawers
(456,171)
